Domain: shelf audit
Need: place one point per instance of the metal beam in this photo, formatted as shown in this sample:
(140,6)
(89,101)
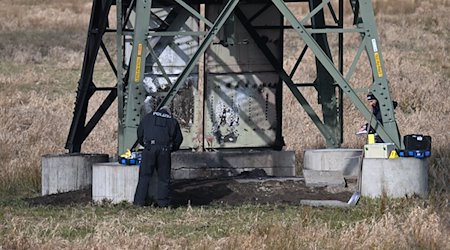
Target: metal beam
(325,83)
(314,11)
(299,60)
(108,57)
(284,76)
(390,135)
(97,27)
(223,16)
(134,91)
(380,86)
(194,12)
(99,113)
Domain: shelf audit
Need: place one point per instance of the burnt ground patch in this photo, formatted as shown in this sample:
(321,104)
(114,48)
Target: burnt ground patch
(226,191)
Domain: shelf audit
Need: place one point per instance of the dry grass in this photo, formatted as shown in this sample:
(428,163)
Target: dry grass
(41,46)
(247,227)
(44,15)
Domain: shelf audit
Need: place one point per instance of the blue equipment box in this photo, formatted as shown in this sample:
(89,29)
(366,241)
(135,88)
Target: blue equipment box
(415,153)
(125,161)
(134,160)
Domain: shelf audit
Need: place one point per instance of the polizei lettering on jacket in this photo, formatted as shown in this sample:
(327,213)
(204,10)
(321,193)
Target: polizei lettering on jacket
(162,115)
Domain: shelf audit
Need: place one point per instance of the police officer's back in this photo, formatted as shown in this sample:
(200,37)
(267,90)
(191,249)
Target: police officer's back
(160,135)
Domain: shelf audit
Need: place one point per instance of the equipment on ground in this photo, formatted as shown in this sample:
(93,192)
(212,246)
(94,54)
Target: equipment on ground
(415,153)
(417,142)
(130,158)
(416,145)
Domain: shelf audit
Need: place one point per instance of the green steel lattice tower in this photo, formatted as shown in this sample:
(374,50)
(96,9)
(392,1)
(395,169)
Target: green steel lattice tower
(219,66)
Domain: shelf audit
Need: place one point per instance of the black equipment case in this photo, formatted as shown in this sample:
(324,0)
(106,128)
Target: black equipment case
(417,142)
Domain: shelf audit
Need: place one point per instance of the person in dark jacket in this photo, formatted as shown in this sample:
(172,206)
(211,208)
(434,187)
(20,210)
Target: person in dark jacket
(366,128)
(373,103)
(160,134)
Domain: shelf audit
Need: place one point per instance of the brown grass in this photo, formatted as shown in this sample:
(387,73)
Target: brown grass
(41,15)
(416,228)
(41,46)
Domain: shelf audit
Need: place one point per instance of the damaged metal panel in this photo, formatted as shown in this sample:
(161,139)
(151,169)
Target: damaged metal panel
(241,84)
(165,63)
(240,110)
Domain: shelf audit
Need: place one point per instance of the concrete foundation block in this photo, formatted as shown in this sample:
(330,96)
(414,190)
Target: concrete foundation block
(181,174)
(348,161)
(117,183)
(189,165)
(114,182)
(68,172)
(323,178)
(396,178)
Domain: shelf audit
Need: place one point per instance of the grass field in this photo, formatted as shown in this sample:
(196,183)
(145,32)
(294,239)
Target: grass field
(41,52)
(400,224)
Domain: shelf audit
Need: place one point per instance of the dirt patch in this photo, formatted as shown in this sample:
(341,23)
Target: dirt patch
(229,191)
(254,191)
(81,197)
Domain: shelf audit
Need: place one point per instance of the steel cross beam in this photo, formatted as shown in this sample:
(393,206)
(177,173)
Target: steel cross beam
(324,83)
(132,93)
(380,86)
(97,27)
(388,134)
(176,19)
(135,92)
(223,16)
(285,77)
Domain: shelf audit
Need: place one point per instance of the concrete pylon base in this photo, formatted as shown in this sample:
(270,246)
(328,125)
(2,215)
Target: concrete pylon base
(395,177)
(190,165)
(117,183)
(68,172)
(340,159)
(114,182)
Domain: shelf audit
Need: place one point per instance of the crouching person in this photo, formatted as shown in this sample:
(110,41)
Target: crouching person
(160,134)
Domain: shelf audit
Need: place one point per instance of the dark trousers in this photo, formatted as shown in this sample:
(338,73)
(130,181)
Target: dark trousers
(154,158)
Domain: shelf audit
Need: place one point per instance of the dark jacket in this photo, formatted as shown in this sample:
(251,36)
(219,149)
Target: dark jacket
(377,113)
(160,129)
